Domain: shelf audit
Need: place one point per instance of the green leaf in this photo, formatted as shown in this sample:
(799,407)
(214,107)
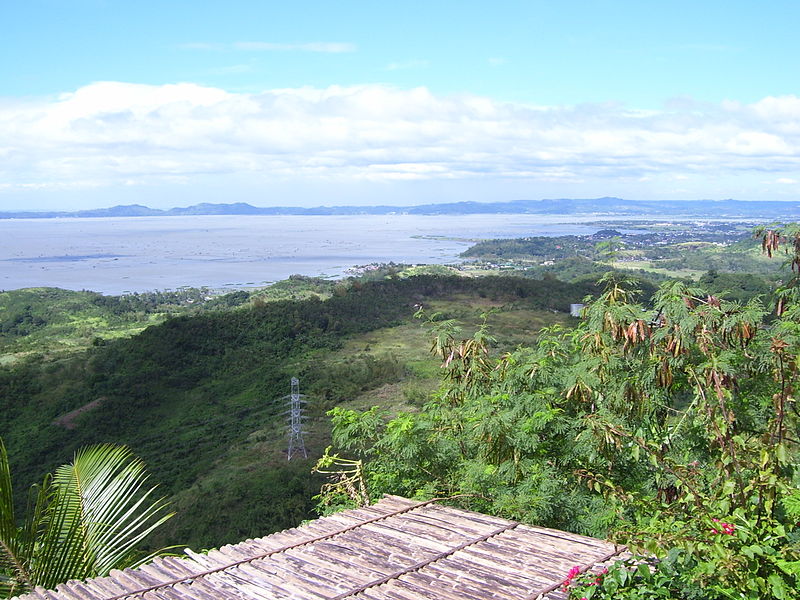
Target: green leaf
(728,487)
(106,484)
(753,550)
(789,567)
(780,453)
(791,503)
(778,586)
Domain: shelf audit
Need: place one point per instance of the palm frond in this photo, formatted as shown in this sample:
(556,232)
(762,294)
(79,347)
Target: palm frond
(82,522)
(13,567)
(105,502)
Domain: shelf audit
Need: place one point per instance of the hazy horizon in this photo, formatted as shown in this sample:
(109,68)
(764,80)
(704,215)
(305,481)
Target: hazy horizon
(398,206)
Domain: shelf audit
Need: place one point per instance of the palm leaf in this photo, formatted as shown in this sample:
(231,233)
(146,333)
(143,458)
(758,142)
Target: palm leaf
(13,567)
(82,522)
(105,506)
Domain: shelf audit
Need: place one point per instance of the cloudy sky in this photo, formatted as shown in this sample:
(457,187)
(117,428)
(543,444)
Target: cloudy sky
(171,102)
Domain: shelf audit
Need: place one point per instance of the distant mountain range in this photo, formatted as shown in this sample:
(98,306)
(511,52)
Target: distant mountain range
(597,206)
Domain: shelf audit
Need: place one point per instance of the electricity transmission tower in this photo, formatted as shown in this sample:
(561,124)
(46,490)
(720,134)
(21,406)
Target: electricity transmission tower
(296,403)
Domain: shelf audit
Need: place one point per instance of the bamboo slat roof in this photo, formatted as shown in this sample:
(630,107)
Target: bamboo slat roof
(397,549)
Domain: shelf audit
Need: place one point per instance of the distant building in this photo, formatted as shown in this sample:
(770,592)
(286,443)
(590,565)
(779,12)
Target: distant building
(575,310)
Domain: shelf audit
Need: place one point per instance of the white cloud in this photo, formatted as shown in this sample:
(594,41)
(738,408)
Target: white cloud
(201,46)
(112,133)
(408,64)
(706,47)
(231,70)
(323,47)
(327,47)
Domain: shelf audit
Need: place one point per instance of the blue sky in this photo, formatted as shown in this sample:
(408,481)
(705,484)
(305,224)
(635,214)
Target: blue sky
(171,103)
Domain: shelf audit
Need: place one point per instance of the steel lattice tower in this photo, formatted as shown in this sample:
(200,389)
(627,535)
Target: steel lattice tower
(296,402)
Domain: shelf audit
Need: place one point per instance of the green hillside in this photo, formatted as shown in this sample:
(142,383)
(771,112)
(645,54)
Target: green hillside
(199,396)
(54,321)
(658,252)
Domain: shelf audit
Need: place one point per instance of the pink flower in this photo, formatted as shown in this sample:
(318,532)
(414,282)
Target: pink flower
(727,528)
(573,573)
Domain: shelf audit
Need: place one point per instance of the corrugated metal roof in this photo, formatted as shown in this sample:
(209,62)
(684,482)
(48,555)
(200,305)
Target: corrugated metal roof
(396,549)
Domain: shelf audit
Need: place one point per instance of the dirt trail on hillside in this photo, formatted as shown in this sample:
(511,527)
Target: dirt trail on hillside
(67,421)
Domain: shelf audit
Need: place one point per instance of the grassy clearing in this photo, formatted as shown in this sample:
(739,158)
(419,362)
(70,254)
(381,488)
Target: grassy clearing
(410,344)
(650,267)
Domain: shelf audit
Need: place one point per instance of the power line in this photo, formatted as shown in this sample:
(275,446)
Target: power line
(296,416)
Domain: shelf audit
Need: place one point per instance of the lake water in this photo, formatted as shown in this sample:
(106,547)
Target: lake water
(117,255)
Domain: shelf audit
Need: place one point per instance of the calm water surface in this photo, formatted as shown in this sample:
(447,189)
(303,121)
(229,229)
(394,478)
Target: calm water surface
(117,255)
